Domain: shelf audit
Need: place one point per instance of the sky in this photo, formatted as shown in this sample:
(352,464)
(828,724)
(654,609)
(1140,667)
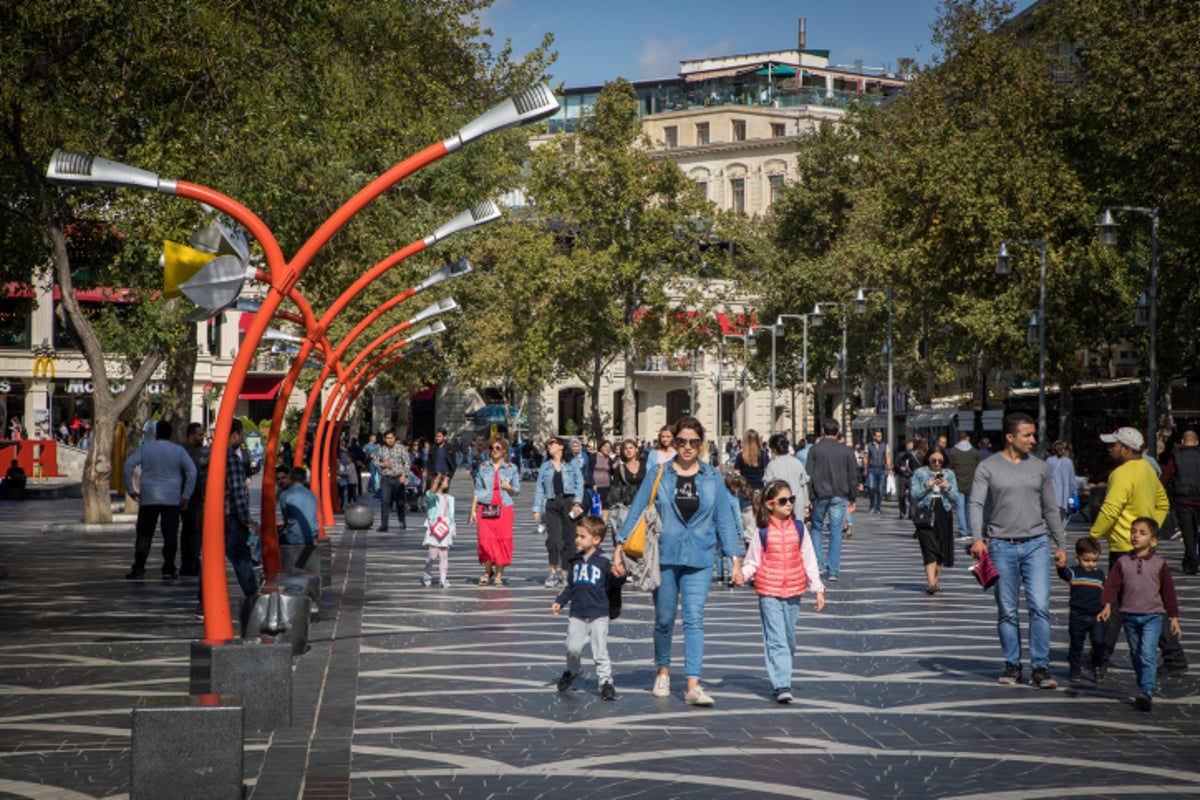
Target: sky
(642,39)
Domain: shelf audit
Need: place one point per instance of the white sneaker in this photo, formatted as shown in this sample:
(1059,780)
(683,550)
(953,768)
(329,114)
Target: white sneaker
(426,579)
(697,697)
(551,580)
(662,686)
(444,584)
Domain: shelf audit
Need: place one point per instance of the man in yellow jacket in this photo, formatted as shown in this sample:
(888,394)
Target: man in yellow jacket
(1134,490)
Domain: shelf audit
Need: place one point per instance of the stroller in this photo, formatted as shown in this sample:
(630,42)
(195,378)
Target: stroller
(414,487)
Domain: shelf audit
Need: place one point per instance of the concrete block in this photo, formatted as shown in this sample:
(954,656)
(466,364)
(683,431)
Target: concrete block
(259,669)
(280,613)
(187,747)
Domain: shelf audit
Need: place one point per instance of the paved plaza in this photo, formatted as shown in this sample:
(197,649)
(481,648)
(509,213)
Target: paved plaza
(414,692)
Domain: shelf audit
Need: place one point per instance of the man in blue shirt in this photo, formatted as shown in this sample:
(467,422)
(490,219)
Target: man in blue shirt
(168,479)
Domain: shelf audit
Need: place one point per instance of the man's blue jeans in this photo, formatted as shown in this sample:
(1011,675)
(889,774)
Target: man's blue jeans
(1143,631)
(687,586)
(964,522)
(833,510)
(876,483)
(779,636)
(1023,564)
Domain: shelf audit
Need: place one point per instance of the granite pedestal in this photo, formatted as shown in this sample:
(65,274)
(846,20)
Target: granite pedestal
(187,747)
(280,612)
(258,669)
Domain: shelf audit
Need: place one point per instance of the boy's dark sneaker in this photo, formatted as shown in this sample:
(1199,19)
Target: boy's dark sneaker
(1143,702)
(783,695)
(1012,674)
(566,680)
(608,692)
(1042,679)
(1098,673)
(1075,677)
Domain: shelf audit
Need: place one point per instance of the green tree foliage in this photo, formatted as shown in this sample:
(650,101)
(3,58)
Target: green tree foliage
(289,107)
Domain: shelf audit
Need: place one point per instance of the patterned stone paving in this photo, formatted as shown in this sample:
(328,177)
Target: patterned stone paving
(415,692)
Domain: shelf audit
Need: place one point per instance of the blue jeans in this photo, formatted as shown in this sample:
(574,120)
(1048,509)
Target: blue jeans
(779,636)
(1143,631)
(876,483)
(833,508)
(1023,564)
(687,586)
(964,522)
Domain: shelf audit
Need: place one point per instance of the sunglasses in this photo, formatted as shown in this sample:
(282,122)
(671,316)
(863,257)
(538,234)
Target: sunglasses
(784,501)
(497,447)
(692,443)
(935,462)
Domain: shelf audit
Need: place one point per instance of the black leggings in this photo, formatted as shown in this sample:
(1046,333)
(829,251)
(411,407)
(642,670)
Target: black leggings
(560,530)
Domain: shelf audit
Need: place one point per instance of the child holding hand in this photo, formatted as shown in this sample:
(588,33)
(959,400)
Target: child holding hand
(589,580)
(1142,579)
(783,563)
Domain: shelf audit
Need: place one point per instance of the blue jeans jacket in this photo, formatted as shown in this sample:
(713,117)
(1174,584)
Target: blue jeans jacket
(572,483)
(691,543)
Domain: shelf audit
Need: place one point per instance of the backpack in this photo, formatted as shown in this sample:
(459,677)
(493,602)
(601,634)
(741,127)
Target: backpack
(762,534)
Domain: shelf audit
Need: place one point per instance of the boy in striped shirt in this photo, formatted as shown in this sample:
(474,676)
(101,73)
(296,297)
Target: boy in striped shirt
(1087,584)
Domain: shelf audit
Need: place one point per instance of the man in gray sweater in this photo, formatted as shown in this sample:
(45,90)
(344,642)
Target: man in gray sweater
(833,486)
(1024,518)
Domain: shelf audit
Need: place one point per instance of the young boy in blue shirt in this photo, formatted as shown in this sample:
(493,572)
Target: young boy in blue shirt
(1087,585)
(589,578)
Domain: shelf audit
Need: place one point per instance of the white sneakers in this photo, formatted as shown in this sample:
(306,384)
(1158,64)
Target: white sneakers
(662,686)
(697,697)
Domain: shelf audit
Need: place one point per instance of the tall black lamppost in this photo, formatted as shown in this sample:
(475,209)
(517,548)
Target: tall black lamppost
(1037,327)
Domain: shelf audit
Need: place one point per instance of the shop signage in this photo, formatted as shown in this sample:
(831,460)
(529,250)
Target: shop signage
(5,386)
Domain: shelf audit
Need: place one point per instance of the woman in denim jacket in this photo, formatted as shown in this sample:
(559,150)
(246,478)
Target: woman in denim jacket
(497,481)
(697,516)
(935,488)
(556,502)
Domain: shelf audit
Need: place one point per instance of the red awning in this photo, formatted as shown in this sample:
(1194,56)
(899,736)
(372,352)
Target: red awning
(244,322)
(260,387)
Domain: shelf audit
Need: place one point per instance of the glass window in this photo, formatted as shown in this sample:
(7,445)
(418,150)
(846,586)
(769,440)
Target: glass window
(776,187)
(738,195)
(701,133)
(778,129)
(671,134)
(703,189)
(15,322)
(739,130)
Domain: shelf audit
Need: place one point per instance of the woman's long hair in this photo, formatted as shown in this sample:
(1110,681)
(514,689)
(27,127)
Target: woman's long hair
(762,514)
(751,447)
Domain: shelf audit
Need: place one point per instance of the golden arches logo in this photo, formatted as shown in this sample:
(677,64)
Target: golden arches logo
(43,366)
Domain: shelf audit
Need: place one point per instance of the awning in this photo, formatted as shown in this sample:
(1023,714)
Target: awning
(933,419)
(777,69)
(260,387)
(870,423)
(494,414)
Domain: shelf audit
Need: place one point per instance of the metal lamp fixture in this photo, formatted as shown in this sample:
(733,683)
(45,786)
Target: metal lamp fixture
(818,319)
(536,102)
(860,303)
(477,214)
(455,270)
(68,166)
(1003,266)
(1109,229)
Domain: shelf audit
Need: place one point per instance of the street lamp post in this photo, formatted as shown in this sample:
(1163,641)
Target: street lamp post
(804,374)
(860,305)
(1037,324)
(817,320)
(1108,237)
(745,337)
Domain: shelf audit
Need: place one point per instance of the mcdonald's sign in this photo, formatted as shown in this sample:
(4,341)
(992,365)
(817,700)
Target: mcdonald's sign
(43,366)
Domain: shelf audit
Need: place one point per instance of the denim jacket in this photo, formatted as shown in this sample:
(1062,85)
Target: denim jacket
(923,495)
(485,482)
(688,544)
(572,483)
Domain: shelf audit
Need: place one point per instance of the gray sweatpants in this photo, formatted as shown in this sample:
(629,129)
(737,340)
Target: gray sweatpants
(579,631)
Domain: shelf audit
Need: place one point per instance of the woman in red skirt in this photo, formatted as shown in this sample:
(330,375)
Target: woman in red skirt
(497,481)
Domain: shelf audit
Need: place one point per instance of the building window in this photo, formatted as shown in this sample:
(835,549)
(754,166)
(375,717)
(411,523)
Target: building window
(703,189)
(671,133)
(701,133)
(778,129)
(738,195)
(739,130)
(776,187)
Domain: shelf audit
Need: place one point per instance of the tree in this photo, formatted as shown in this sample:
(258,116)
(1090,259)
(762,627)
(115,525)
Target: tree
(290,108)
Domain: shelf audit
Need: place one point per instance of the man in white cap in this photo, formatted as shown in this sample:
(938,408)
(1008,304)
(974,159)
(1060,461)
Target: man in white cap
(1134,490)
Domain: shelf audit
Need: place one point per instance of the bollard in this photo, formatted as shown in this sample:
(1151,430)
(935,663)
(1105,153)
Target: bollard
(258,669)
(278,612)
(187,747)
(306,583)
(358,516)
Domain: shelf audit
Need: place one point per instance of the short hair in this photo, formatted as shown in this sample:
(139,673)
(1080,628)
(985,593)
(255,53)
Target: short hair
(1086,546)
(236,426)
(593,525)
(281,467)
(964,436)
(162,431)
(1150,523)
(298,475)
(830,427)
(193,427)
(779,444)
(1015,420)
(691,423)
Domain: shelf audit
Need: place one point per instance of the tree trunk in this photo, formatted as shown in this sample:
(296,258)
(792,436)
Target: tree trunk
(629,427)
(181,371)
(597,423)
(1066,408)
(820,393)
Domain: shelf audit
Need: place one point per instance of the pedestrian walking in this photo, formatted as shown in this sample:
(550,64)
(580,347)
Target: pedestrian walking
(1086,580)
(392,461)
(935,491)
(751,463)
(833,484)
(962,459)
(906,465)
(497,482)
(783,564)
(440,460)
(786,467)
(238,521)
(1181,474)
(1062,473)
(1024,518)
(191,518)
(877,463)
(590,582)
(557,501)
(439,530)
(168,479)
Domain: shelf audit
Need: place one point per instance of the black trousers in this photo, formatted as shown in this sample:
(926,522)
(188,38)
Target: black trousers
(1188,517)
(1082,627)
(560,531)
(391,493)
(903,487)
(147,522)
(190,536)
(1173,656)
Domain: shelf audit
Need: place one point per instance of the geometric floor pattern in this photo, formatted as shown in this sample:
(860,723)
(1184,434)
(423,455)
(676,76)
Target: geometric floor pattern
(426,692)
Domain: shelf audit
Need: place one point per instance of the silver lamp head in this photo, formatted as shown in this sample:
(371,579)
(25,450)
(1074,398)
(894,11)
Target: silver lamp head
(536,102)
(68,166)
(478,214)
(818,319)
(440,307)
(1003,262)
(860,303)
(455,270)
(276,335)
(1108,229)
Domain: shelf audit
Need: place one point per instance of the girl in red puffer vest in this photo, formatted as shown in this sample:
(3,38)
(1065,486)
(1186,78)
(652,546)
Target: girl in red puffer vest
(783,564)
